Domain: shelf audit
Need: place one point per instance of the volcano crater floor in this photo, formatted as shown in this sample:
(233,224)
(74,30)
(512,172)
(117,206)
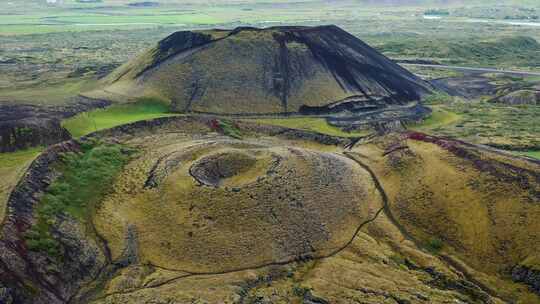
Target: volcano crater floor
(216,205)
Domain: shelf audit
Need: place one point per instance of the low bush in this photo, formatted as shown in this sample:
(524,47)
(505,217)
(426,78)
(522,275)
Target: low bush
(434,245)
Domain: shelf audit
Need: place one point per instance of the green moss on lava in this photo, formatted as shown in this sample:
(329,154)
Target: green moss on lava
(85,178)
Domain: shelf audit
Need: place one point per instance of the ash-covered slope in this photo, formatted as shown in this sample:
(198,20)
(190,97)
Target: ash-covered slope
(258,71)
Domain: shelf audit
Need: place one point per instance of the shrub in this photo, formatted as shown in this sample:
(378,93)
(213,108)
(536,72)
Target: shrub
(226,127)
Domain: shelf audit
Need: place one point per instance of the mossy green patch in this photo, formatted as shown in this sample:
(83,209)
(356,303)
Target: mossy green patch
(84,180)
(115,115)
(315,124)
(434,245)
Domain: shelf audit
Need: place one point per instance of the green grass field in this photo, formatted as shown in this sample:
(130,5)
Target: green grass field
(65,19)
(51,19)
(438,118)
(318,125)
(533,154)
(115,115)
(119,114)
(52,94)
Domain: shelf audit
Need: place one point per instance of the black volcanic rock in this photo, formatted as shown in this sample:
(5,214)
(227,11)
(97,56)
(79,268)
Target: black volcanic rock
(26,125)
(265,71)
(31,132)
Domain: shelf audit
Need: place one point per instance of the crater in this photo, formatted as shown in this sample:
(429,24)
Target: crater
(223,207)
(231,168)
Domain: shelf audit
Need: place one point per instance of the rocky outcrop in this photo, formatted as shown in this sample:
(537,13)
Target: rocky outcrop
(527,275)
(470,86)
(23,126)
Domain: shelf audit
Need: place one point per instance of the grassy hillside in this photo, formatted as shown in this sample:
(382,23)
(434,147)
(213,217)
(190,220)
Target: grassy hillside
(12,167)
(469,225)
(438,118)
(507,127)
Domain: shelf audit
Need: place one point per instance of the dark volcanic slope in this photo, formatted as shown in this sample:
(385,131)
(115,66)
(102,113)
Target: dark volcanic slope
(23,126)
(274,70)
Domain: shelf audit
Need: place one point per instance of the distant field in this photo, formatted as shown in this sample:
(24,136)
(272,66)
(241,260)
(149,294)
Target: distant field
(519,52)
(51,19)
(80,23)
(88,122)
(48,94)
